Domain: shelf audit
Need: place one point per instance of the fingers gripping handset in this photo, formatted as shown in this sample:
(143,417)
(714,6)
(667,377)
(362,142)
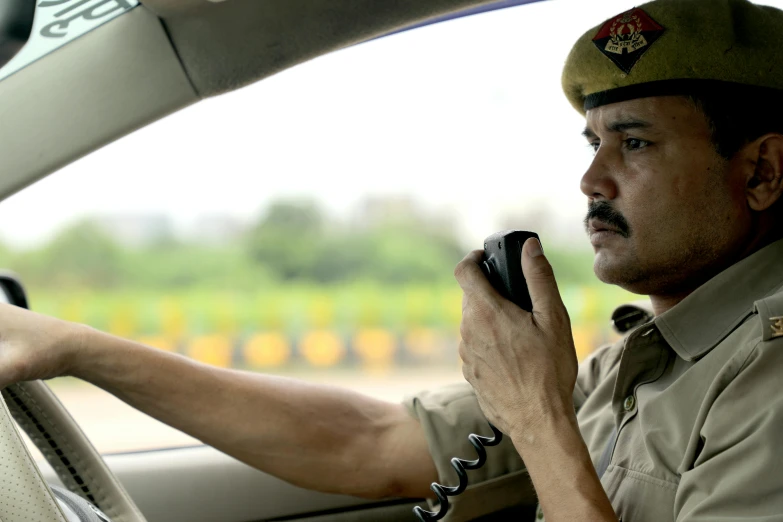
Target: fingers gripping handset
(503,269)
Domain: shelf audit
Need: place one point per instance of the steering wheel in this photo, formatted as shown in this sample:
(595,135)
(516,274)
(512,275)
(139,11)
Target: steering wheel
(26,497)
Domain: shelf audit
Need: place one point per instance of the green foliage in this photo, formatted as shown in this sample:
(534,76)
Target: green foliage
(185,266)
(286,239)
(294,242)
(81,256)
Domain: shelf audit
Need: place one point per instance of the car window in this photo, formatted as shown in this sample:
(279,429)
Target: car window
(309,225)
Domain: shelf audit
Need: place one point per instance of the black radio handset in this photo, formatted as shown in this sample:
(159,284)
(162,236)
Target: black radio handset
(502,265)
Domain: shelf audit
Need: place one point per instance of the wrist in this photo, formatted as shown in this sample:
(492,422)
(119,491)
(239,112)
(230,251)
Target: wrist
(548,417)
(563,475)
(544,429)
(75,342)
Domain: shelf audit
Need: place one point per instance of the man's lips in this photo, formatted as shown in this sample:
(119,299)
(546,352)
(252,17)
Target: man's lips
(596,226)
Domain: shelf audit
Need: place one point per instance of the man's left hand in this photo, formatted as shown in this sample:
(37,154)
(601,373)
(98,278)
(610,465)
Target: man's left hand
(521,364)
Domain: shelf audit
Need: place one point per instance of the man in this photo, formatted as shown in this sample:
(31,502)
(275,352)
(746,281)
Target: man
(679,421)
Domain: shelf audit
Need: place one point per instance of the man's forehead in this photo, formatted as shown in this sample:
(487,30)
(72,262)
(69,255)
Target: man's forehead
(650,112)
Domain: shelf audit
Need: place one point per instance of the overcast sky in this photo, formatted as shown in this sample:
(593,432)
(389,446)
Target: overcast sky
(466,115)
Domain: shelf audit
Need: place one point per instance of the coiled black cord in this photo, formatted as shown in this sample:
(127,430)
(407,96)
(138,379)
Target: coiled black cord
(460,466)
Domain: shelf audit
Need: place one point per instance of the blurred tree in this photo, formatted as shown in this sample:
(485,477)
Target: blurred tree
(186,266)
(287,238)
(292,241)
(404,254)
(81,255)
(296,241)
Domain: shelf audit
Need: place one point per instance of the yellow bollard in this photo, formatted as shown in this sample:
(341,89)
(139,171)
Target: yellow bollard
(322,348)
(375,347)
(267,350)
(211,349)
(424,343)
(584,341)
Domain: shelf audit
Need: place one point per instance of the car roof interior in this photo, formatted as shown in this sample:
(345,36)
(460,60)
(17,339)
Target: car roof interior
(167,54)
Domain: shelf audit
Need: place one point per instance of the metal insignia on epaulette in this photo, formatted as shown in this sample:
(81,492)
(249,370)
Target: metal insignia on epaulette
(777,326)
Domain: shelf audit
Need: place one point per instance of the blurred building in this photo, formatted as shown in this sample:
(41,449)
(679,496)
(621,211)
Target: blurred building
(215,229)
(375,211)
(135,230)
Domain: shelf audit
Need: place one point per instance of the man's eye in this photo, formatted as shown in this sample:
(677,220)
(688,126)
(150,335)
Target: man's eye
(635,144)
(594,146)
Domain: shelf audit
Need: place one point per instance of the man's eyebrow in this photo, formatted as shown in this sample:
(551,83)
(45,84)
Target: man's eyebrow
(619,126)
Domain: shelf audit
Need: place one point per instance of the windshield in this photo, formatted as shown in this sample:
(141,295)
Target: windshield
(308,225)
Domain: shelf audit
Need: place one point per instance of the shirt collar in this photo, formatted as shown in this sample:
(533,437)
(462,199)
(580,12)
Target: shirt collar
(709,314)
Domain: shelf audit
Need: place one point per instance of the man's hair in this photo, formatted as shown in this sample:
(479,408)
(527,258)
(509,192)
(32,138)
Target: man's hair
(737,117)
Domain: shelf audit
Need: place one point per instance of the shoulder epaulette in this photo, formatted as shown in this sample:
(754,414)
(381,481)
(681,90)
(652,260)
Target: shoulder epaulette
(770,310)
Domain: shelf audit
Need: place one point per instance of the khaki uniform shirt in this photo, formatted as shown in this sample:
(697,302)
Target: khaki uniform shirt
(696,397)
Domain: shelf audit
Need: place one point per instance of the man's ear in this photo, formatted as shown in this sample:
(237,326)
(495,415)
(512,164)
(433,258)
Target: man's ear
(765,185)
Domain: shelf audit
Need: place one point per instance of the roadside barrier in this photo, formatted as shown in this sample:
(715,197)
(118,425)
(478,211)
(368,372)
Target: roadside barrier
(368,349)
(371,329)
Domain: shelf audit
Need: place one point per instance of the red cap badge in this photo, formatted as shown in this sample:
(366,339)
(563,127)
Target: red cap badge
(626,37)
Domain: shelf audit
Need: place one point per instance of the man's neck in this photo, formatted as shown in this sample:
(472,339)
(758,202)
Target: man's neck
(663,303)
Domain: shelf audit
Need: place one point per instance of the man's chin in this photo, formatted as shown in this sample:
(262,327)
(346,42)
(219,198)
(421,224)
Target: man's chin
(611,269)
(628,274)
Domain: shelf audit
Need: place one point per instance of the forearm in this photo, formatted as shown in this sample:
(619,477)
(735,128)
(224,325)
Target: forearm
(314,436)
(563,475)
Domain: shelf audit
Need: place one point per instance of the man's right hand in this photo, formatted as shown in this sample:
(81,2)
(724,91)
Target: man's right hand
(35,346)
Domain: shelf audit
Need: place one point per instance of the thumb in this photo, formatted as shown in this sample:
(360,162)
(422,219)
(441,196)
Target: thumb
(540,278)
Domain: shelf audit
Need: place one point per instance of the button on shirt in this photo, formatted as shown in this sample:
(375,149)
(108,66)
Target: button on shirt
(696,398)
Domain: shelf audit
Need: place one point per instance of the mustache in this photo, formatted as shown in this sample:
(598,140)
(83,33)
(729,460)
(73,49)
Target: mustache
(603,211)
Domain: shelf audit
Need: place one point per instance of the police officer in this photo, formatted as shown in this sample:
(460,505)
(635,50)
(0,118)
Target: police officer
(681,420)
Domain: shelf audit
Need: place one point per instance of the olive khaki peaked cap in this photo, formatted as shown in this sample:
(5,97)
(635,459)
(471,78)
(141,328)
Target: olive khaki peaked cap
(675,47)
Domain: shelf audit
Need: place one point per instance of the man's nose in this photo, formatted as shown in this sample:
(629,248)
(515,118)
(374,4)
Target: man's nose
(598,181)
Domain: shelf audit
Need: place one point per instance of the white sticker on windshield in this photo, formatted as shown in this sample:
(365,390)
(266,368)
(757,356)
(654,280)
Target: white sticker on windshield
(58,22)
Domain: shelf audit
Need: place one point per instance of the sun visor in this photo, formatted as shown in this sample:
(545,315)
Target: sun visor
(102,85)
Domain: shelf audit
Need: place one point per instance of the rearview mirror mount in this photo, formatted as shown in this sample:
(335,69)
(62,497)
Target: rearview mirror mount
(16,25)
